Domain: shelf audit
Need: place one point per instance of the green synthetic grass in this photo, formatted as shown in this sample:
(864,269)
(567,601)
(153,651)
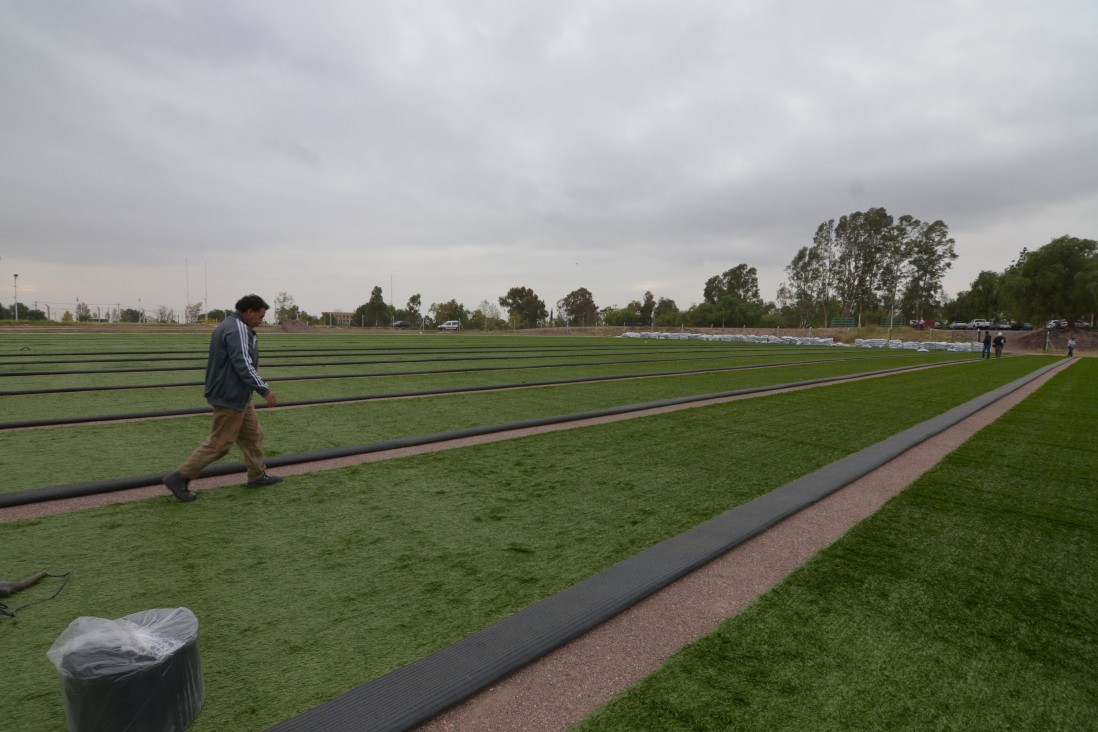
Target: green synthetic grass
(163,395)
(969,602)
(64,455)
(317,585)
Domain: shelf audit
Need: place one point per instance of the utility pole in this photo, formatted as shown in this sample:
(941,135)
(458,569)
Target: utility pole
(187,274)
(15,286)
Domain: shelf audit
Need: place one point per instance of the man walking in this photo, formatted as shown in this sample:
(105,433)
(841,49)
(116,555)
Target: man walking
(999,342)
(231,377)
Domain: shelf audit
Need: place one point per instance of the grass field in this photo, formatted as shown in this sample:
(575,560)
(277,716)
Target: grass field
(333,578)
(86,452)
(968,602)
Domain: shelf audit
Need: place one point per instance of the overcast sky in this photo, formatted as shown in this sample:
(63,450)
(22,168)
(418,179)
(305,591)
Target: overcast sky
(170,151)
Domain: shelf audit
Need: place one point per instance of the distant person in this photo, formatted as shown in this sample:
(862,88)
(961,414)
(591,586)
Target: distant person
(987,345)
(1071,346)
(231,377)
(999,342)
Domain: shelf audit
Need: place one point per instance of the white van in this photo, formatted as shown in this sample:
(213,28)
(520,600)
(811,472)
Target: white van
(451,325)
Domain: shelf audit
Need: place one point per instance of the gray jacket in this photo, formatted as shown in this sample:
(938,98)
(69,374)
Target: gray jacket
(231,374)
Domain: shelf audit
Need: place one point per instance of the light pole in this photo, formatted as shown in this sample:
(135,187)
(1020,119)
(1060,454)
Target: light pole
(15,286)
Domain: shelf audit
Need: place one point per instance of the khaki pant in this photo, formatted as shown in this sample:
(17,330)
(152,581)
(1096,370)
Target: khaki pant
(229,426)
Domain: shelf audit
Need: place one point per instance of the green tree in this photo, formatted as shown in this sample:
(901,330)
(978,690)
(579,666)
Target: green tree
(823,259)
(524,308)
(616,316)
(647,307)
(215,316)
(375,313)
(415,302)
(452,310)
(861,241)
(799,292)
(741,281)
(983,299)
(284,308)
(930,254)
(666,312)
(894,272)
(729,299)
(1059,279)
(579,307)
(83,312)
(486,317)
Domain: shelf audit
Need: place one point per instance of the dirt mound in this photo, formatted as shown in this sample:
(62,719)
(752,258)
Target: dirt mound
(294,326)
(1034,340)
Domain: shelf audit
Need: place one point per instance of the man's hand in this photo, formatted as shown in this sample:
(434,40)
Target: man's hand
(271,398)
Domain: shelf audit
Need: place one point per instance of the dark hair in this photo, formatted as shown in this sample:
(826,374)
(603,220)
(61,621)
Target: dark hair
(251,302)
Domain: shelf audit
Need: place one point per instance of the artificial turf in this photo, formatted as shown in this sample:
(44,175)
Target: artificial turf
(65,455)
(333,578)
(346,381)
(968,602)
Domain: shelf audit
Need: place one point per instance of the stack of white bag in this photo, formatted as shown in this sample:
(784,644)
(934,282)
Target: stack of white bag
(921,346)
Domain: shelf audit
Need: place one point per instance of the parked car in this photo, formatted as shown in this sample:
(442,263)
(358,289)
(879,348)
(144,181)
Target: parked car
(957,325)
(1054,324)
(402,324)
(451,325)
(979,324)
(1021,326)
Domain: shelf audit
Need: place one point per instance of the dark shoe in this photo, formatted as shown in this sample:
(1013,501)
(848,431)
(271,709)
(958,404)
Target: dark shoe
(177,484)
(264,480)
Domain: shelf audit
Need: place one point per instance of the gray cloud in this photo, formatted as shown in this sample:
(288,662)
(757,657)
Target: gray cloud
(457,149)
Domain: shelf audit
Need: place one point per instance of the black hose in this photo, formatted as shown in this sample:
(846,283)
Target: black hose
(372,362)
(182,412)
(380,374)
(36,495)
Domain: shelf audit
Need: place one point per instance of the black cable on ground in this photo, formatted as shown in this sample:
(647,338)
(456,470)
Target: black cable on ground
(377,350)
(372,362)
(429,372)
(190,411)
(37,495)
(413,694)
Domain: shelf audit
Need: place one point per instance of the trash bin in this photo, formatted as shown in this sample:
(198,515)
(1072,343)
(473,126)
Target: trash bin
(140,672)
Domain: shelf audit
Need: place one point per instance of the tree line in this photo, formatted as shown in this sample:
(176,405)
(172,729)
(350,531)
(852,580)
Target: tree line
(864,267)
(857,266)
(1058,280)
